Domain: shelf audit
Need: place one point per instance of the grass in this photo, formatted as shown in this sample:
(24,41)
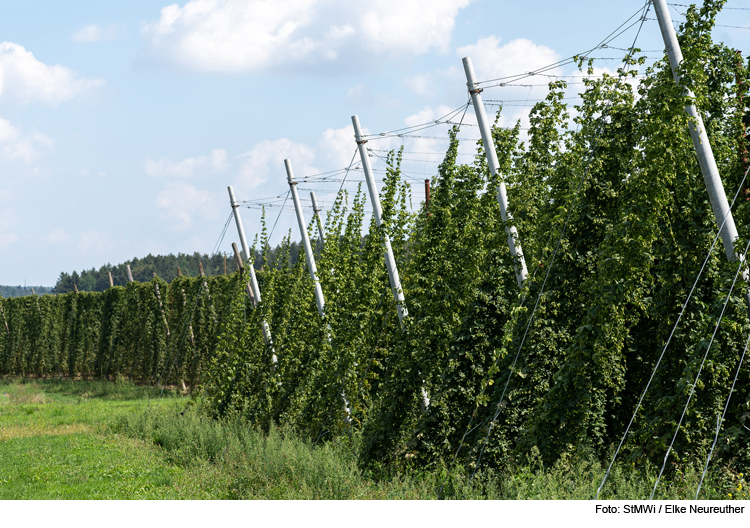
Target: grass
(91,440)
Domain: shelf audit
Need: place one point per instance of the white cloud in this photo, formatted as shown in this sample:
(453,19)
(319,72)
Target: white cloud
(7,131)
(187,167)
(26,79)
(97,33)
(248,35)
(219,159)
(491,60)
(267,158)
(338,146)
(231,35)
(15,146)
(180,202)
(414,25)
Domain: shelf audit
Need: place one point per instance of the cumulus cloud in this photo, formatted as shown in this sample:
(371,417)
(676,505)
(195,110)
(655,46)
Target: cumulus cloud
(97,33)
(337,146)
(180,202)
(26,79)
(248,35)
(14,145)
(414,25)
(491,60)
(219,159)
(26,147)
(267,158)
(7,131)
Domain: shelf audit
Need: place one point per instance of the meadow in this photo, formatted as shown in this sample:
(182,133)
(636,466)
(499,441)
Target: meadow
(63,439)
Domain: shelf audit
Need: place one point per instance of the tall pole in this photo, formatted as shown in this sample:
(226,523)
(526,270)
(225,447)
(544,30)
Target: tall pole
(706,160)
(502,195)
(377,210)
(246,250)
(710,171)
(305,238)
(316,212)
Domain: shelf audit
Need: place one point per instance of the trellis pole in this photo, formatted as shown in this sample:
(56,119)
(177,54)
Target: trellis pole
(706,160)
(316,212)
(377,211)
(251,268)
(390,261)
(494,165)
(319,300)
(716,194)
(241,268)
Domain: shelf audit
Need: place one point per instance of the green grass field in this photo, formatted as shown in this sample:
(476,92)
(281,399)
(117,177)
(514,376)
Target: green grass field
(103,440)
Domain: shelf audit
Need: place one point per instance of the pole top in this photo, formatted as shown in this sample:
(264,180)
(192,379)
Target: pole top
(289,173)
(471,79)
(232,200)
(357,128)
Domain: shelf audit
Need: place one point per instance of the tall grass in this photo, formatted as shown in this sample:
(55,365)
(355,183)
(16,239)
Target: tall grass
(281,465)
(230,459)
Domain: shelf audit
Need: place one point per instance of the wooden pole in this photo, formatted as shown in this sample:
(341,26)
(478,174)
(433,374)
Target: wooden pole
(179,272)
(111,282)
(205,286)
(427,194)
(161,306)
(75,288)
(130,273)
(238,261)
(4,319)
(192,342)
(237,257)
(316,212)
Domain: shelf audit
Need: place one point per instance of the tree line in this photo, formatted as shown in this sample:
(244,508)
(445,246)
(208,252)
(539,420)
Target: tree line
(165,267)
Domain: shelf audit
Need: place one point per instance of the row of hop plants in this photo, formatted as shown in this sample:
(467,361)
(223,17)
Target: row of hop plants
(615,224)
(152,332)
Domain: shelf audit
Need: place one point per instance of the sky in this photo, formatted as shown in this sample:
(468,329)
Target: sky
(123,123)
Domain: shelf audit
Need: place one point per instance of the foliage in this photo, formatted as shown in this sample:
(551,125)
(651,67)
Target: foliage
(150,331)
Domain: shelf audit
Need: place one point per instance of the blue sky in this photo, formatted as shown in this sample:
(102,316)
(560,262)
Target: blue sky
(122,123)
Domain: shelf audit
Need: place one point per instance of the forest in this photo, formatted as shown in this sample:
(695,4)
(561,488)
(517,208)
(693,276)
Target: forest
(165,267)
